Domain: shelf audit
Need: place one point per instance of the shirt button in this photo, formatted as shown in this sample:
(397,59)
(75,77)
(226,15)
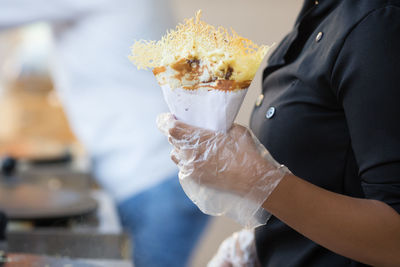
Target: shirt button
(319,37)
(259,100)
(270,113)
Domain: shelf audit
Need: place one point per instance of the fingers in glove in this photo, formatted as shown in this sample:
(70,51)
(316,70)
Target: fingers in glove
(174,157)
(183,159)
(180,129)
(237,250)
(189,134)
(165,121)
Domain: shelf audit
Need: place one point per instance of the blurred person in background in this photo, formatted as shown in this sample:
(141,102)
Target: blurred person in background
(112,109)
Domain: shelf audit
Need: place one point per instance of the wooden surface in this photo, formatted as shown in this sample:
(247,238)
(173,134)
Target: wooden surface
(32,121)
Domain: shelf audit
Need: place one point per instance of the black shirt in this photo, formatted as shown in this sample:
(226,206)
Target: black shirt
(331,114)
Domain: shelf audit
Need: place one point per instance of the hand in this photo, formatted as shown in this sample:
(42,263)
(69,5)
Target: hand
(238,250)
(219,171)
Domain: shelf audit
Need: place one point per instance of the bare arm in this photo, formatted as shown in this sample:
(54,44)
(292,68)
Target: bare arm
(361,229)
(363,78)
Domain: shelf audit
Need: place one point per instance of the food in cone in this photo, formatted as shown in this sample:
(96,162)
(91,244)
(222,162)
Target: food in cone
(204,71)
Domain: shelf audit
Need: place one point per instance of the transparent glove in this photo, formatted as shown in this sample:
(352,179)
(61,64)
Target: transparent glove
(238,250)
(228,174)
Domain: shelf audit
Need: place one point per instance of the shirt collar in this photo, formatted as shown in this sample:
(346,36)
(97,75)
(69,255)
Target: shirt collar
(317,6)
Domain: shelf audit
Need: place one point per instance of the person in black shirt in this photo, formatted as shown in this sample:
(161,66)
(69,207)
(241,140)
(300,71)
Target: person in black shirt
(329,112)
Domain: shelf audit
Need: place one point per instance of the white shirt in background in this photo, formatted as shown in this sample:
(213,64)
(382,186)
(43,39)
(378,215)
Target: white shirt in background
(111,105)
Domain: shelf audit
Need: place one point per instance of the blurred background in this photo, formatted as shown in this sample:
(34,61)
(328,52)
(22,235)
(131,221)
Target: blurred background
(48,187)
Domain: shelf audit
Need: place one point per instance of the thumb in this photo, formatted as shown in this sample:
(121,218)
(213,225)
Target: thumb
(165,121)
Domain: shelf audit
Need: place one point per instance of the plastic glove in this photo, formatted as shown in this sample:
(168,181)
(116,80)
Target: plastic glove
(223,173)
(238,250)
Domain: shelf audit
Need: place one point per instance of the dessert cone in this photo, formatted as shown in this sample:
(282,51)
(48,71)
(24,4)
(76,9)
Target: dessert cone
(206,107)
(204,72)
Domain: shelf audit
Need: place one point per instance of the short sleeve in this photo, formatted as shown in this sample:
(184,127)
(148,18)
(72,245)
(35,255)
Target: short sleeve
(366,78)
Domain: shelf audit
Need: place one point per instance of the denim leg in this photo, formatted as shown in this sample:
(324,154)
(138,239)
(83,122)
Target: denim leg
(164,225)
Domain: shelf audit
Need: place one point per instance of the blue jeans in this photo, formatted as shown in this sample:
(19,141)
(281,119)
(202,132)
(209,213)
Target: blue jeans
(164,225)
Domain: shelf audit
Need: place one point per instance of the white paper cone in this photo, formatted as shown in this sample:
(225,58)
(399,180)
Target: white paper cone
(204,107)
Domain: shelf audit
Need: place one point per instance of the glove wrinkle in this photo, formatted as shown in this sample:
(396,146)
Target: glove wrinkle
(228,173)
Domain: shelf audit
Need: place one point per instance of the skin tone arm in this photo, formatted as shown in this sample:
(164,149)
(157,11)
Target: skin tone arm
(365,230)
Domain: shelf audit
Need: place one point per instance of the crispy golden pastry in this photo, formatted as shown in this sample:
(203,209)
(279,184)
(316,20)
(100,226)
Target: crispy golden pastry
(197,54)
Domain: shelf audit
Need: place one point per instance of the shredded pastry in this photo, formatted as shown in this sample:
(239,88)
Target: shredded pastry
(196,53)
